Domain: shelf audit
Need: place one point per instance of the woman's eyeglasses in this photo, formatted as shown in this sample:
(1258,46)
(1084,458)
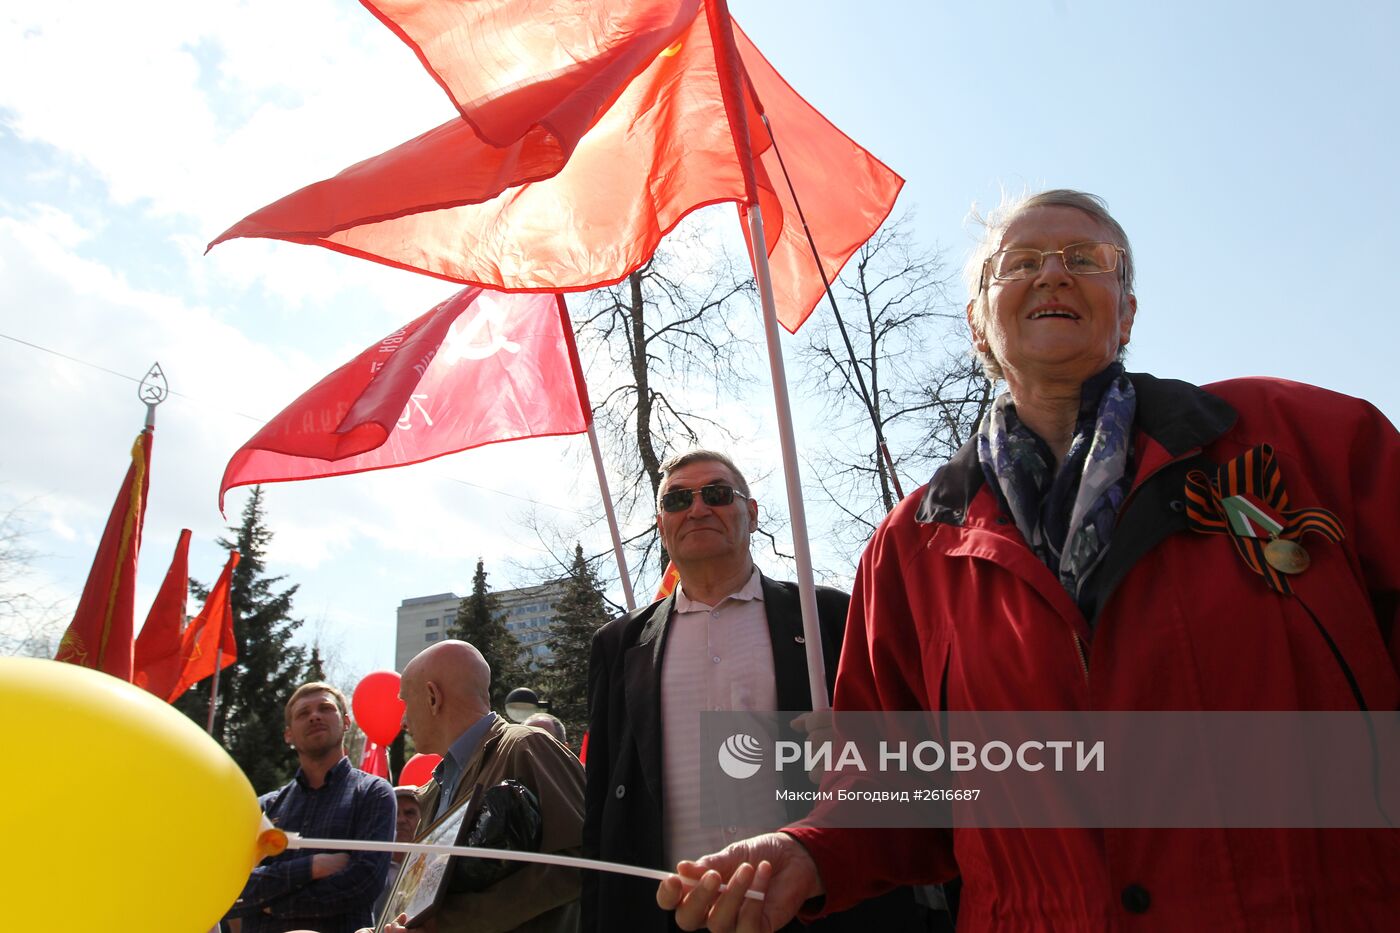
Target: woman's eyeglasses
(713,495)
(1078,259)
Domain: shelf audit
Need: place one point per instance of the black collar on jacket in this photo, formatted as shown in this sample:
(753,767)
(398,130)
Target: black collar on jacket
(1177,415)
(642,668)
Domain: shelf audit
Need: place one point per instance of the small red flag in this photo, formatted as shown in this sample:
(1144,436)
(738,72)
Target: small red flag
(479,368)
(100,635)
(375,760)
(208,642)
(157,663)
(667,146)
(669,580)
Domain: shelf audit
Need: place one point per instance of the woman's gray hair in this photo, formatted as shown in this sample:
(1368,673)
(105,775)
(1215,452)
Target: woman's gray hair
(994,228)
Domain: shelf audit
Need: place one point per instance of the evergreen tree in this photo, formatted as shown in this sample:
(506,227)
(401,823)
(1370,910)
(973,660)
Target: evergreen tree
(254,690)
(314,668)
(578,614)
(480,621)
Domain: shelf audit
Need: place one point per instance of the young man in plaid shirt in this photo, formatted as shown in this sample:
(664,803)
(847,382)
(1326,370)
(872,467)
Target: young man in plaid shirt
(331,892)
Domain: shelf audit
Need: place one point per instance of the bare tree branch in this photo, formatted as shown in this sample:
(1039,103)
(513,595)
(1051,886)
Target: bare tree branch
(31,622)
(894,298)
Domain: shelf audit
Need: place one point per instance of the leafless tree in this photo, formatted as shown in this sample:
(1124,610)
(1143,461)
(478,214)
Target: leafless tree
(893,367)
(662,349)
(30,623)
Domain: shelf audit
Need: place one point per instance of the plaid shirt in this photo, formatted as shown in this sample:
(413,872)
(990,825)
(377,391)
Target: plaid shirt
(280,894)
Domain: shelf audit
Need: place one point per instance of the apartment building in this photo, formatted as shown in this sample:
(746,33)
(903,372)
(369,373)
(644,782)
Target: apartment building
(528,611)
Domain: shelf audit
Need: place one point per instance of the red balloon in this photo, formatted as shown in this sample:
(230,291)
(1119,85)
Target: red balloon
(419,770)
(377,706)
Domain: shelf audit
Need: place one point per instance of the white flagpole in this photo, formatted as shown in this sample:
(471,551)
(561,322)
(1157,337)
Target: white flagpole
(806,584)
(612,519)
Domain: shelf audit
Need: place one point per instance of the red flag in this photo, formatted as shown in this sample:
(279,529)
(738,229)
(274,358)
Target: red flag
(816,154)
(544,87)
(666,147)
(375,760)
(479,368)
(100,635)
(669,580)
(157,663)
(208,643)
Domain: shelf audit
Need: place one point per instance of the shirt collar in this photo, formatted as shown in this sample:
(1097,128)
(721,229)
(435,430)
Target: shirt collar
(337,771)
(461,751)
(752,589)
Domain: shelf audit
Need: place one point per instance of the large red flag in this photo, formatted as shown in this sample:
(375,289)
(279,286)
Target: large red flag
(666,147)
(208,642)
(541,86)
(479,368)
(100,635)
(844,192)
(157,663)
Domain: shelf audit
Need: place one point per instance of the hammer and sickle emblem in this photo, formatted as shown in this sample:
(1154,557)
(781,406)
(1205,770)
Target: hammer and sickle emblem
(481,336)
(153,388)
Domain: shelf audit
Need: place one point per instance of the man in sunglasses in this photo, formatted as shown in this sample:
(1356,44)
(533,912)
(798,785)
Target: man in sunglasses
(726,638)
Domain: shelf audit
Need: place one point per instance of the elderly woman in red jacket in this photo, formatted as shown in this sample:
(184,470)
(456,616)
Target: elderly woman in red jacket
(1073,556)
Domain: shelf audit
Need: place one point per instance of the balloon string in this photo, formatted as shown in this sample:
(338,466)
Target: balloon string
(295,841)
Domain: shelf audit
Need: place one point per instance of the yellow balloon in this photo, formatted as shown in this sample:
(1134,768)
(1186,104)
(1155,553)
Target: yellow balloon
(118,812)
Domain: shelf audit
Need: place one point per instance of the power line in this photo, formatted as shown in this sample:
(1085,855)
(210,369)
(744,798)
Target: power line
(258,420)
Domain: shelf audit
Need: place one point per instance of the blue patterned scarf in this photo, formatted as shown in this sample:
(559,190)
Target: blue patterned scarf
(1066,515)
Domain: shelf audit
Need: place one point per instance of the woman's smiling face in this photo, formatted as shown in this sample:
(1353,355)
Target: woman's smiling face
(1055,325)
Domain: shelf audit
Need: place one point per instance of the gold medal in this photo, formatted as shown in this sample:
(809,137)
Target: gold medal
(1286,556)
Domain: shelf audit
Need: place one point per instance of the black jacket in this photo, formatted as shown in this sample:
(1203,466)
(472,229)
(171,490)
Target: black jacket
(622,815)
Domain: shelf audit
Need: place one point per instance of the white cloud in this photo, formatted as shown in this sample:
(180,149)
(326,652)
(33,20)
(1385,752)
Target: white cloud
(358,544)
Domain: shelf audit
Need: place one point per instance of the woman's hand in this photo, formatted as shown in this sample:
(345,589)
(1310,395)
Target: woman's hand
(774,864)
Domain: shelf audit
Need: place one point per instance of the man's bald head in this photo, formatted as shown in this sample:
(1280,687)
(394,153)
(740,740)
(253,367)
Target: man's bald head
(445,689)
(458,666)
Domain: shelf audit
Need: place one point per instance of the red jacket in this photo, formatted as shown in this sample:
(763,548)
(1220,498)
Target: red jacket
(952,610)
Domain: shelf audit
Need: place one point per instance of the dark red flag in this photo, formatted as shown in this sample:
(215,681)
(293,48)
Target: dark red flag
(667,146)
(157,663)
(208,642)
(479,368)
(100,635)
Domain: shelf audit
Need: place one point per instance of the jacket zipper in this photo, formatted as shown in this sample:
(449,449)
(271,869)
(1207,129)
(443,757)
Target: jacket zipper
(1079,650)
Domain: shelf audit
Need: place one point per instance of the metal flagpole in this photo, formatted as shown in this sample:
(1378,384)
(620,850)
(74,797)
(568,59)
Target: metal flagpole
(806,584)
(721,28)
(612,519)
(597,457)
(214,690)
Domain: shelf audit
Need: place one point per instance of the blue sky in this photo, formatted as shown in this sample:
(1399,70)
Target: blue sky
(1247,147)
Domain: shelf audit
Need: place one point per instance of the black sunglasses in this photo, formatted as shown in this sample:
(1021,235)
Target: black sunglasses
(713,495)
